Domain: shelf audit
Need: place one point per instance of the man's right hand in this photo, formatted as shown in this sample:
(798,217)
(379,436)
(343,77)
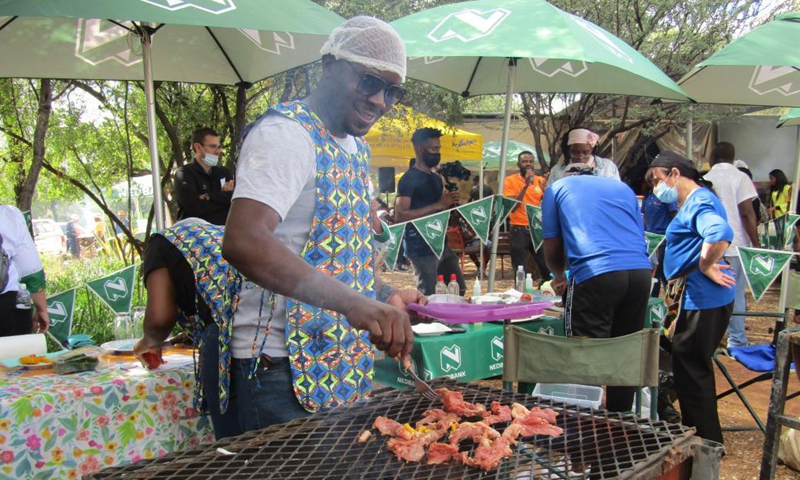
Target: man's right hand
(528,176)
(449,199)
(389,327)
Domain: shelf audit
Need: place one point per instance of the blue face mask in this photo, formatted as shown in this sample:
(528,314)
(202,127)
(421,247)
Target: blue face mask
(665,193)
(211,160)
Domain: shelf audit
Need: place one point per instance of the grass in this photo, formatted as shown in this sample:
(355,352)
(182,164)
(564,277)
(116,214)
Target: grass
(91,316)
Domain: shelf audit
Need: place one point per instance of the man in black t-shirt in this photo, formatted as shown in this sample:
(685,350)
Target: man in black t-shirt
(420,193)
(203,188)
(170,284)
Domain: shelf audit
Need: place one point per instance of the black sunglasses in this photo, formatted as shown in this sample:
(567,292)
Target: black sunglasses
(369,84)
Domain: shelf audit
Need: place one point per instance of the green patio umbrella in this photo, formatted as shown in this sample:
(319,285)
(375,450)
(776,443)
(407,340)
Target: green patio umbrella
(506,46)
(491,153)
(200,41)
(759,68)
(790,119)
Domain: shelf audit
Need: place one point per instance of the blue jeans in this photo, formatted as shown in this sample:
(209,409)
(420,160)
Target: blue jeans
(225,424)
(736,333)
(266,399)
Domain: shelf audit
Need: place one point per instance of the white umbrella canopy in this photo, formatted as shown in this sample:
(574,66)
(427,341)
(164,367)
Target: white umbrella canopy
(225,42)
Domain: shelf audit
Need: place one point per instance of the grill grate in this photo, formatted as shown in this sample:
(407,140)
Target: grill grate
(595,445)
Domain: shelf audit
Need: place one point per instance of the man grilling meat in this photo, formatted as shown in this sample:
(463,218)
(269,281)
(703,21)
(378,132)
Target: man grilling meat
(299,226)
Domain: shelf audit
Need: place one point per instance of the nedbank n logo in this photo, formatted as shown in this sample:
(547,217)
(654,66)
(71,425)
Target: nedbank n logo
(450,358)
(762,265)
(99,41)
(497,349)
(782,80)
(211,6)
(468,25)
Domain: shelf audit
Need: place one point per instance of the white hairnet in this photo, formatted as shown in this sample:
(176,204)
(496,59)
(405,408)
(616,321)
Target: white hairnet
(370,42)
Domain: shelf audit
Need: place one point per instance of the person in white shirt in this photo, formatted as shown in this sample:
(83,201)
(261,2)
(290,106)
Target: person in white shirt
(736,192)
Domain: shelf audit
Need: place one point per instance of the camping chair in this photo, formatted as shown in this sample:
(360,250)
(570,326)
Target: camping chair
(627,361)
(759,359)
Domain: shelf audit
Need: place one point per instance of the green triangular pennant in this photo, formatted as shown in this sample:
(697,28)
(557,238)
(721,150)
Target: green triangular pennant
(61,308)
(28,220)
(393,245)
(478,216)
(654,240)
(502,208)
(791,220)
(433,229)
(761,267)
(535,225)
(115,290)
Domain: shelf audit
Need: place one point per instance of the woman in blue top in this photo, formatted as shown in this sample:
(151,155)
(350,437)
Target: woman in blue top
(657,215)
(696,240)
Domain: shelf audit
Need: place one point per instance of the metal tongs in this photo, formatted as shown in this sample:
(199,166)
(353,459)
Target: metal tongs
(419,385)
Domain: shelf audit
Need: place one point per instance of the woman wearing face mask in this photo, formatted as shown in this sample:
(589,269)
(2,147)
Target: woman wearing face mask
(579,145)
(696,240)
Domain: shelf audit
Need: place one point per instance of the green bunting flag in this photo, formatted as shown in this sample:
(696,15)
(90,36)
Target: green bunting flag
(116,290)
(761,267)
(478,216)
(654,240)
(433,229)
(535,225)
(28,220)
(502,209)
(61,308)
(393,244)
(791,220)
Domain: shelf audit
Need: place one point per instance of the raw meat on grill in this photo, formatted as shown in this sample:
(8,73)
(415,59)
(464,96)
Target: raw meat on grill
(489,454)
(408,450)
(438,419)
(441,453)
(454,403)
(386,426)
(500,414)
(475,431)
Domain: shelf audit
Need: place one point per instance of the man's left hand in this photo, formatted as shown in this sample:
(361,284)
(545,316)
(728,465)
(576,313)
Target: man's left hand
(403,298)
(41,321)
(228,186)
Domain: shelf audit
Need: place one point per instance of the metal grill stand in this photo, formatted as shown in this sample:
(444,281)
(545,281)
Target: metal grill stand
(595,445)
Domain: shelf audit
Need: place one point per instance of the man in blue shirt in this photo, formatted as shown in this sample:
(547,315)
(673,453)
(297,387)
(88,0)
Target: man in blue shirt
(593,223)
(657,216)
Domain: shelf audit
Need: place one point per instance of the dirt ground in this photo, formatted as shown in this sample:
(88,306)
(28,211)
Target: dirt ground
(743,449)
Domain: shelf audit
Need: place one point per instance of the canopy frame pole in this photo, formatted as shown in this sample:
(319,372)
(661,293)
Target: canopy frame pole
(501,176)
(792,208)
(152,135)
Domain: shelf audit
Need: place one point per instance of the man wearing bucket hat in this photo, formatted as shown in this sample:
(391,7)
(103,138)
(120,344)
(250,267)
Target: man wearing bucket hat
(299,227)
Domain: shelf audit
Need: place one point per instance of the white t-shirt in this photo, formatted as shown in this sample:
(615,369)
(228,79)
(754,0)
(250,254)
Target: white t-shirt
(732,187)
(277,167)
(19,246)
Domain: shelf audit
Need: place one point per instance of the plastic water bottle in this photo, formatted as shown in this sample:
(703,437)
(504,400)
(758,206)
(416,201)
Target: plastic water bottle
(23,298)
(452,287)
(528,284)
(520,283)
(441,288)
(476,289)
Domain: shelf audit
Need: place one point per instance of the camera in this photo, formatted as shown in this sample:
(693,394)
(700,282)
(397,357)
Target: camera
(453,170)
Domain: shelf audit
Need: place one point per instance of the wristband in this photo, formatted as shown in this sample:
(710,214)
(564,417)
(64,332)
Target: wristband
(383,293)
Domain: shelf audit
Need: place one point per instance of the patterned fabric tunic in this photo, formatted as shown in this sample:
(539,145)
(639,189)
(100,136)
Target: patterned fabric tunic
(331,361)
(218,284)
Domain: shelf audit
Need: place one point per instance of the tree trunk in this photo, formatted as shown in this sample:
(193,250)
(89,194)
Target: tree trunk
(25,196)
(239,118)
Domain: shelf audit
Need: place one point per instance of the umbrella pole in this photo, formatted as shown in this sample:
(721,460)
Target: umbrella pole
(149,94)
(480,196)
(501,176)
(689,139)
(792,208)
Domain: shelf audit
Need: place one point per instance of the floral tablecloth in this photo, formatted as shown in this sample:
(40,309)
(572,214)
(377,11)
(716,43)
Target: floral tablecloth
(66,426)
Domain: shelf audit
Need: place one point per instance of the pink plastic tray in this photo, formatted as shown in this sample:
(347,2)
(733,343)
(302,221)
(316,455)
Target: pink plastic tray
(469,313)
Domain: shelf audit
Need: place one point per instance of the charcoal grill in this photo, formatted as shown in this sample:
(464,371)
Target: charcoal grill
(595,445)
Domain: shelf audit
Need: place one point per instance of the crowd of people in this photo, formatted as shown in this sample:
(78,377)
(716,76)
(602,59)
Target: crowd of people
(287,323)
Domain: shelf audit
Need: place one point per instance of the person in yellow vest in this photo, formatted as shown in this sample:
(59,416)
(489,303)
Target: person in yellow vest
(780,194)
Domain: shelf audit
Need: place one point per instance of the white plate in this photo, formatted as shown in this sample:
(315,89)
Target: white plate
(428,329)
(120,346)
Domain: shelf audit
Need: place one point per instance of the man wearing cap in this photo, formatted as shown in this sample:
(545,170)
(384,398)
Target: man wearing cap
(594,225)
(736,192)
(528,188)
(299,226)
(579,146)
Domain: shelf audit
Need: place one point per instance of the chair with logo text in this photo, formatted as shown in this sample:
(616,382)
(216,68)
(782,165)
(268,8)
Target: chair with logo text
(627,361)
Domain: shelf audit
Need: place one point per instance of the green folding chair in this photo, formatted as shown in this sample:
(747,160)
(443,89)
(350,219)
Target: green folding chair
(627,361)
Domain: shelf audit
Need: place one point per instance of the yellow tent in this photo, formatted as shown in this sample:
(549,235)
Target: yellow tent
(390,139)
